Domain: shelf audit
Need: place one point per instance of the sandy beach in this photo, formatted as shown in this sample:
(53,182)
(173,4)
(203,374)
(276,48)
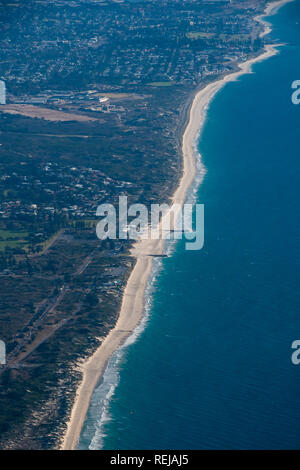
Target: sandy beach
(134,296)
(271,9)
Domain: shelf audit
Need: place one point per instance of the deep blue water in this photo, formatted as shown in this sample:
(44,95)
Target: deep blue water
(212,369)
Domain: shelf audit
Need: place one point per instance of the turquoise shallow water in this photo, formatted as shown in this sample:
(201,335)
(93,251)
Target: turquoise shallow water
(211,369)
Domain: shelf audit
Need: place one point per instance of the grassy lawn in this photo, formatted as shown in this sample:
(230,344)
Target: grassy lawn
(161,83)
(222,37)
(11,239)
(6,234)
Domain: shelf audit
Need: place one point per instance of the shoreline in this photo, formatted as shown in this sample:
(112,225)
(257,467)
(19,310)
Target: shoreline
(271,9)
(133,304)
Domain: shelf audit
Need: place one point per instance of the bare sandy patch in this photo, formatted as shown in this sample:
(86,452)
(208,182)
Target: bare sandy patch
(43,113)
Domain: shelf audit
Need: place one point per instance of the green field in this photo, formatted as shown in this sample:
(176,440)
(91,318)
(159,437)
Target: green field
(223,37)
(161,83)
(11,239)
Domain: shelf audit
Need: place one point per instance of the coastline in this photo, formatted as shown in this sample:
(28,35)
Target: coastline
(270,10)
(132,308)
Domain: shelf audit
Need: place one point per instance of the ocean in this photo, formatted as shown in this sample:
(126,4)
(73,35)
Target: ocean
(210,366)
